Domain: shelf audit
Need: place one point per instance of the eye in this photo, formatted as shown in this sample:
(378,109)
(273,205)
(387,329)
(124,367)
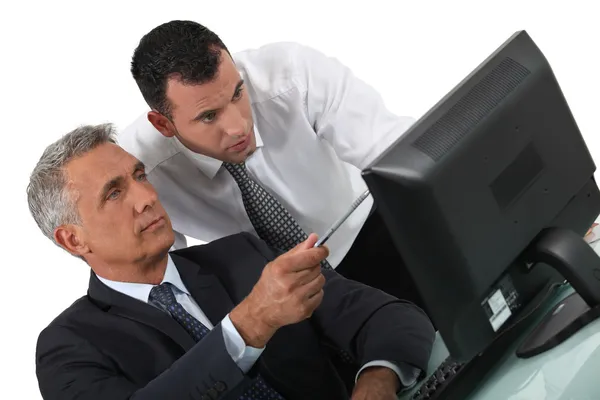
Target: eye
(142,177)
(238,93)
(114,194)
(209,117)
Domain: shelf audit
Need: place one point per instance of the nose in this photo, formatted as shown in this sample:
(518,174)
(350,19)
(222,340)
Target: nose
(233,122)
(144,196)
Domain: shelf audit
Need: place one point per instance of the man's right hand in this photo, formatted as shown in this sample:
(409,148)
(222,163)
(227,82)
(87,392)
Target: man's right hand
(289,290)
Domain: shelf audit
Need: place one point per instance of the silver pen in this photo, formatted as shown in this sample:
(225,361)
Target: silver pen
(340,221)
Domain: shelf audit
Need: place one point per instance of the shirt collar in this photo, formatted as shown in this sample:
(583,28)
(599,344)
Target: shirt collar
(208,165)
(141,291)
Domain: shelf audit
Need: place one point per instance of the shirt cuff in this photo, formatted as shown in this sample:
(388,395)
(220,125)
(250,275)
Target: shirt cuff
(407,374)
(244,356)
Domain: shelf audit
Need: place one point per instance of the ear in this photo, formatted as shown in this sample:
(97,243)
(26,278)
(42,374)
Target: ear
(71,238)
(161,123)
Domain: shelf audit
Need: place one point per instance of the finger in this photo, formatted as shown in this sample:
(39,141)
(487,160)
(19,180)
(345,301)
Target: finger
(307,275)
(309,242)
(305,259)
(313,302)
(313,287)
(306,244)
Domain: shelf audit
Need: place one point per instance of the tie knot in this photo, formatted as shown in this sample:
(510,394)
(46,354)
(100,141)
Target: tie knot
(163,294)
(236,170)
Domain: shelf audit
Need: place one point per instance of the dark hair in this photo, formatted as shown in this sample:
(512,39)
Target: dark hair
(184,50)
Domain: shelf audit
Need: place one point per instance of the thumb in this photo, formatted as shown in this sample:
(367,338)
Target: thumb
(309,242)
(306,244)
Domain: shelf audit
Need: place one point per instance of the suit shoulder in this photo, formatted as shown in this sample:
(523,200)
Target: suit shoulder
(80,307)
(71,319)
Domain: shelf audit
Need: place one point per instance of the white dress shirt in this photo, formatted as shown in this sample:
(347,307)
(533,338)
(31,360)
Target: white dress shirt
(244,356)
(316,127)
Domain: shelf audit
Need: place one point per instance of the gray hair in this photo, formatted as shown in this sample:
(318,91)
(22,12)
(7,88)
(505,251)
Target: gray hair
(50,202)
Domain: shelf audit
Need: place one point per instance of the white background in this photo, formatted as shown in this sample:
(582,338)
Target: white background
(64,64)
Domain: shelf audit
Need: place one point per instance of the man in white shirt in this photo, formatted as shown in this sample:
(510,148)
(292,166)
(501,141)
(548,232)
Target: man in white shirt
(269,141)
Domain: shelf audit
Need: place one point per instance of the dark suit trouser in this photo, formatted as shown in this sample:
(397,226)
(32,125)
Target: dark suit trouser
(374,261)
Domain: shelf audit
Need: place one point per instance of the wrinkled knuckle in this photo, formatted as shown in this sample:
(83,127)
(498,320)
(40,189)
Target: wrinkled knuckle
(272,268)
(278,269)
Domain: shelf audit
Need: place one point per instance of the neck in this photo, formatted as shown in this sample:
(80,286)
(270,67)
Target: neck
(146,271)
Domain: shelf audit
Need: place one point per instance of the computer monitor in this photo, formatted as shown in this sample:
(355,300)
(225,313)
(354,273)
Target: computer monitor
(488,197)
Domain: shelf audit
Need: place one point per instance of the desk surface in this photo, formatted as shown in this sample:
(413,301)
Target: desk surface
(570,371)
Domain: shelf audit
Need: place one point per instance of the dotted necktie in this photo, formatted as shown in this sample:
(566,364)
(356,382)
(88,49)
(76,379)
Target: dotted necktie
(272,222)
(163,296)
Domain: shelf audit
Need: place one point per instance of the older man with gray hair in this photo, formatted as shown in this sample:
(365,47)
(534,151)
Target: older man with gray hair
(231,319)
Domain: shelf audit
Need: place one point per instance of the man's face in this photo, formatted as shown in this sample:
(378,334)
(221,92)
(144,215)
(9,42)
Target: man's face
(122,220)
(215,118)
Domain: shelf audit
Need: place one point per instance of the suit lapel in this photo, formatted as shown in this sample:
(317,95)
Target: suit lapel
(127,307)
(205,288)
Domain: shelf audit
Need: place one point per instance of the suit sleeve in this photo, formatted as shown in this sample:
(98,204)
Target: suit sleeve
(372,325)
(70,367)
(368,323)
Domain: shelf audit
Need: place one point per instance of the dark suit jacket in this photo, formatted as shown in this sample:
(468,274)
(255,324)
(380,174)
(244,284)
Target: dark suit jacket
(110,346)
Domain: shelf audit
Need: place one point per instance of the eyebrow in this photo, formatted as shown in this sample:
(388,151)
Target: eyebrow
(202,114)
(118,180)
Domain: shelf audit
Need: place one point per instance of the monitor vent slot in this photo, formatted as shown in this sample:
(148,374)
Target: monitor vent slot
(471,109)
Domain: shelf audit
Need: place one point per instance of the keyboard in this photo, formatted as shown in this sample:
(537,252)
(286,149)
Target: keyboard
(433,387)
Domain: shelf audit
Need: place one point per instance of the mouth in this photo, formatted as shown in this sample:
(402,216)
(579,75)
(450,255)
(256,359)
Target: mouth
(154,224)
(241,145)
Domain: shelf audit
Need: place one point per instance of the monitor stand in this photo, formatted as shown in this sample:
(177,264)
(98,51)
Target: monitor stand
(578,263)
